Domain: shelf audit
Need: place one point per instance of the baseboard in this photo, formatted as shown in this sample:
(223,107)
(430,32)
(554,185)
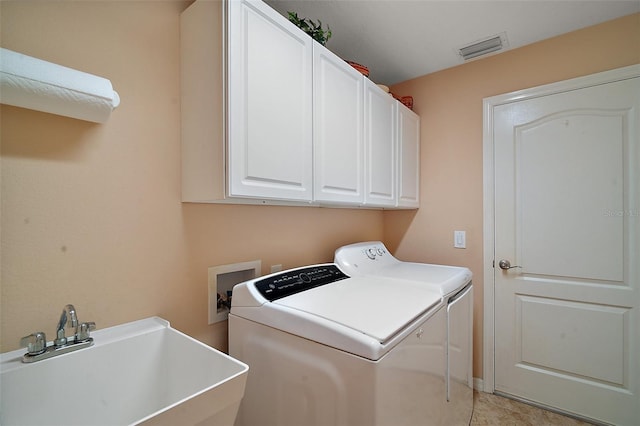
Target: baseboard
(478,384)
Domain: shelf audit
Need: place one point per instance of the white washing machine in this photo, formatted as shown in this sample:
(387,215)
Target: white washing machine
(324,348)
(372,259)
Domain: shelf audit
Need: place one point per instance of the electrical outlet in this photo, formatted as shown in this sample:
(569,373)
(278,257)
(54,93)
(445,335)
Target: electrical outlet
(276,268)
(459,239)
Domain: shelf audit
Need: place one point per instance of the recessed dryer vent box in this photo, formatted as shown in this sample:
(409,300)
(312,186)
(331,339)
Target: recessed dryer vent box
(221,281)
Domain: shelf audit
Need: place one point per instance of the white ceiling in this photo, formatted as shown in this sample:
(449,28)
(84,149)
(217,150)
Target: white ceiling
(400,39)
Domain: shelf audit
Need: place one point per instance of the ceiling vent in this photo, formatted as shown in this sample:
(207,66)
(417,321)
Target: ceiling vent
(483,47)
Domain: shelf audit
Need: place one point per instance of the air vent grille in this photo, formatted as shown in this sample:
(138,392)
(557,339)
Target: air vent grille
(480,48)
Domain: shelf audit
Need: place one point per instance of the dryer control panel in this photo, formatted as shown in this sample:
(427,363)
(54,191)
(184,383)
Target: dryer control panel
(296,280)
(364,258)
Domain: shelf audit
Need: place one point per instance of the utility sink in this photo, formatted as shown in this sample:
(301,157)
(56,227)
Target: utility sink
(143,372)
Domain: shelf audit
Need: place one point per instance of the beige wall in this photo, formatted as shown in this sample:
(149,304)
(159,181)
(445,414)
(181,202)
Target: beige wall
(91,214)
(450,105)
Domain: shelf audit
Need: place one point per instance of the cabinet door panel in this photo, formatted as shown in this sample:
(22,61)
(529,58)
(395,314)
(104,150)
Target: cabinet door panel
(380,148)
(408,158)
(338,130)
(269,104)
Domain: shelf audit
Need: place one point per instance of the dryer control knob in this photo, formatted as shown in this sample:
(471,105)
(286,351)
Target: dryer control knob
(371,253)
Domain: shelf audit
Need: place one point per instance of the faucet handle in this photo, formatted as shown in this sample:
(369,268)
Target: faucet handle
(36,343)
(84,330)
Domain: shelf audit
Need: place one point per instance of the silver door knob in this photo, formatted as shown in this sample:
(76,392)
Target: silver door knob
(505,264)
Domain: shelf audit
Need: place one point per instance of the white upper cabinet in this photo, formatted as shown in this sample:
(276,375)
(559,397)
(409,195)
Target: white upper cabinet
(380,146)
(408,158)
(338,129)
(269,103)
(246,105)
(269,116)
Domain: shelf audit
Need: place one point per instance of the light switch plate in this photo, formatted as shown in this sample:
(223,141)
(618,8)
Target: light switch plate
(459,239)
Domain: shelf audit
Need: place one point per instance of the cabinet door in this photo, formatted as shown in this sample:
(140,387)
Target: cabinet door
(408,158)
(380,148)
(269,104)
(338,129)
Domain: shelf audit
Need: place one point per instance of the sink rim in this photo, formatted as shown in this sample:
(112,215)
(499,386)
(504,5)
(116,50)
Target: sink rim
(13,359)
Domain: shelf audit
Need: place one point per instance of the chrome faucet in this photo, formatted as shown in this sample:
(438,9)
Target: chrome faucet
(38,348)
(68,314)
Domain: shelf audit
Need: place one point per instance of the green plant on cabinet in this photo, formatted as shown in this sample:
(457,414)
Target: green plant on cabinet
(313,29)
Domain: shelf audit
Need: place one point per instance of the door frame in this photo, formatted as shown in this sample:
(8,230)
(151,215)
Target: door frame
(488,351)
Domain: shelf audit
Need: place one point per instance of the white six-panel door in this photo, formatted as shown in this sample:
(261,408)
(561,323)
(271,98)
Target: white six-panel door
(566,217)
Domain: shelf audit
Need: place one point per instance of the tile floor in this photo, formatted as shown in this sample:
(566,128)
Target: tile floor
(493,410)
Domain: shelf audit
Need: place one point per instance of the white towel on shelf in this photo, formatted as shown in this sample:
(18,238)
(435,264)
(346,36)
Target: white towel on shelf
(32,83)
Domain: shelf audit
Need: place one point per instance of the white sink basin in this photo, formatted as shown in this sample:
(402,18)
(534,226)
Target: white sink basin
(139,372)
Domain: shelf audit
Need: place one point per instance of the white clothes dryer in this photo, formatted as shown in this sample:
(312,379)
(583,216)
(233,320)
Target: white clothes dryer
(373,259)
(324,348)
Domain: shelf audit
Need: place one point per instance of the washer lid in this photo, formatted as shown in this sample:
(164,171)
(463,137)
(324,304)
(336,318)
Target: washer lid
(377,307)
